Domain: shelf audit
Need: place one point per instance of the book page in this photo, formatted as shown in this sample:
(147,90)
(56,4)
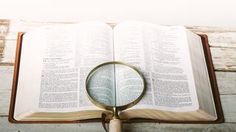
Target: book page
(94,46)
(28,86)
(59,74)
(161,54)
(204,90)
(55,62)
(129,85)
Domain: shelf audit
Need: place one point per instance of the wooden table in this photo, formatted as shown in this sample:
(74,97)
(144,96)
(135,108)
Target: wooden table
(223,48)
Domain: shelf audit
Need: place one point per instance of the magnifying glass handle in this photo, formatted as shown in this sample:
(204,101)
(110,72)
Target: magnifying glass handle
(115,125)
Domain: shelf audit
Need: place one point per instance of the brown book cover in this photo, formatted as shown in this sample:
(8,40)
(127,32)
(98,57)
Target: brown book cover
(210,68)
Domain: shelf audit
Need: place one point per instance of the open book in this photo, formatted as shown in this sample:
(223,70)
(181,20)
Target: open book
(54,61)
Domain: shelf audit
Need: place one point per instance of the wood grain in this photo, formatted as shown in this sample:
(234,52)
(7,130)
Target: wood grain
(127,127)
(224,58)
(4,28)
(8,52)
(6,75)
(211,29)
(226,82)
(222,39)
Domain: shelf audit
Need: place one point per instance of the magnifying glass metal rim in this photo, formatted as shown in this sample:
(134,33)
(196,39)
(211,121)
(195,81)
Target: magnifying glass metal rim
(122,107)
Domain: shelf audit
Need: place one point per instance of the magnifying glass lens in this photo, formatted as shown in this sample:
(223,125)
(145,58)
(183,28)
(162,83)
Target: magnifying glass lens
(114,85)
(100,85)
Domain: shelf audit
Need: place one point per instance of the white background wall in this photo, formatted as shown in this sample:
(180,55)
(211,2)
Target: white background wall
(171,12)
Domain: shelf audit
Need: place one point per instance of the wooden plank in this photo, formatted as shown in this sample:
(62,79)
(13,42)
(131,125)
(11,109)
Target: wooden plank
(229,107)
(5,126)
(222,39)
(4,27)
(226,82)
(224,58)
(151,127)
(6,75)
(7,54)
(211,29)
(24,26)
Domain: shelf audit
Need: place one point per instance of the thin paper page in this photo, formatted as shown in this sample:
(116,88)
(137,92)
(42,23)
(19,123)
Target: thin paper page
(129,85)
(64,56)
(59,75)
(47,69)
(29,79)
(160,53)
(205,96)
(94,46)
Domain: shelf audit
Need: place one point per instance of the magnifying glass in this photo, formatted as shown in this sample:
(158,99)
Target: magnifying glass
(115,86)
